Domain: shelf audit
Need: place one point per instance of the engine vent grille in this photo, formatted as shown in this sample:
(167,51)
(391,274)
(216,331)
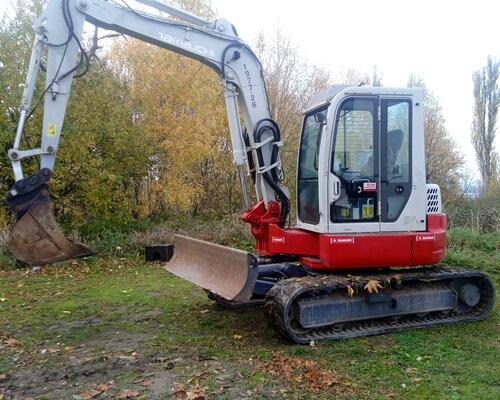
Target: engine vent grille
(433,199)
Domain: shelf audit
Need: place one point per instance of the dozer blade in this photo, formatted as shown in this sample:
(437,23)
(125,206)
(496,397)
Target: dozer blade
(227,272)
(37,239)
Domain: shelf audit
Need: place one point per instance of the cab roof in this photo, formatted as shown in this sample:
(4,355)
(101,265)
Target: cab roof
(325,96)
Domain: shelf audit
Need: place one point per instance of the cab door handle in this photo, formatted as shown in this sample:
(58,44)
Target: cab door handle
(333,188)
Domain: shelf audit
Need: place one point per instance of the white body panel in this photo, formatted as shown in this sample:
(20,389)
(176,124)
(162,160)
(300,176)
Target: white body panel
(413,216)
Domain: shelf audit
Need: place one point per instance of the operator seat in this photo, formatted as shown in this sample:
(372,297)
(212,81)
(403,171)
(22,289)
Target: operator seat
(394,142)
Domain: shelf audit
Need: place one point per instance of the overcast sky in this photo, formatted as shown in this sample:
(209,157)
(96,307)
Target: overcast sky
(441,41)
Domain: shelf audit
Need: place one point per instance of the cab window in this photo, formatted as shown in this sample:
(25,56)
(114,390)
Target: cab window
(307,183)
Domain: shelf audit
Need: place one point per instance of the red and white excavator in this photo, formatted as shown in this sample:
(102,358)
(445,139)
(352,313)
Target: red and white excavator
(361,257)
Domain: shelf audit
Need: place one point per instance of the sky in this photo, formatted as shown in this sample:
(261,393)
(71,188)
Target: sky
(441,41)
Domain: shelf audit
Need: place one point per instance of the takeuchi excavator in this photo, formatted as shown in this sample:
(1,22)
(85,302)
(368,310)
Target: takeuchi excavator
(362,257)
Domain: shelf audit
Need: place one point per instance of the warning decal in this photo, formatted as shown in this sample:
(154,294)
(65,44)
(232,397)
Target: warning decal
(51,129)
(369,186)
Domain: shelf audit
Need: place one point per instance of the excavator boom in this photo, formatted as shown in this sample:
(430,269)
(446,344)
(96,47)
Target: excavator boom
(36,238)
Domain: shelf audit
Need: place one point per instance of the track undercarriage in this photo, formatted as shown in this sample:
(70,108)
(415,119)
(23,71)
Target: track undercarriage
(340,306)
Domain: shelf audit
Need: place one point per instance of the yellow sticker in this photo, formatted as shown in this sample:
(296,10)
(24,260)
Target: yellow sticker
(51,129)
(368,211)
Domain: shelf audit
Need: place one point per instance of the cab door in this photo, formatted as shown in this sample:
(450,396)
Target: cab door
(371,164)
(354,170)
(395,159)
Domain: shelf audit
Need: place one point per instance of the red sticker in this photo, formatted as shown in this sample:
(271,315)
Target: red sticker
(369,186)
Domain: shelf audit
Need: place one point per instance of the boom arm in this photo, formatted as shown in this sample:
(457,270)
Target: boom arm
(215,44)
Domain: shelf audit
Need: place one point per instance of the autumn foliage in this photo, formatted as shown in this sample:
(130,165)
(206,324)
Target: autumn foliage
(146,129)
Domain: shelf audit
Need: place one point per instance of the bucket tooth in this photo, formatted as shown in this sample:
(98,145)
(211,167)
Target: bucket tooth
(37,239)
(226,272)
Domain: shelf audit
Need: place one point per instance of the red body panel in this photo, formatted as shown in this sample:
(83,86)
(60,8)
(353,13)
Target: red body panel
(349,251)
(365,250)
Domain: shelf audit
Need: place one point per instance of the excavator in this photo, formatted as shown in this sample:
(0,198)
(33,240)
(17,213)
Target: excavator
(363,257)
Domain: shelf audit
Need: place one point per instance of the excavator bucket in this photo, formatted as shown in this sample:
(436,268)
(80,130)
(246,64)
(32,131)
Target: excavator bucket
(37,239)
(227,272)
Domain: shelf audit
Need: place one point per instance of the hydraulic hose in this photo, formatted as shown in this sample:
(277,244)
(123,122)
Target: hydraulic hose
(272,177)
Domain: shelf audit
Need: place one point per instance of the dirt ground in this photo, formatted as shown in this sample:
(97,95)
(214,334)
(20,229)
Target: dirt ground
(119,365)
(116,364)
(120,328)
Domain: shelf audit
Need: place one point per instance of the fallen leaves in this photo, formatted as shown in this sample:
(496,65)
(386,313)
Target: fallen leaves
(179,390)
(127,394)
(196,392)
(104,387)
(298,370)
(89,394)
(147,383)
(372,286)
(197,376)
(9,342)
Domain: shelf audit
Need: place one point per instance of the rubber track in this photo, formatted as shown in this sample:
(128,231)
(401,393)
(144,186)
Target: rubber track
(283,296)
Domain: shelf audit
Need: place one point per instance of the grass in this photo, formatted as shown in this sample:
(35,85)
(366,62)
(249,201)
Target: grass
(468,248)
(114,306)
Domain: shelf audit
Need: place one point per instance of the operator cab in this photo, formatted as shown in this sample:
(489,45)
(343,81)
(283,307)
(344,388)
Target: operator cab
(361,161)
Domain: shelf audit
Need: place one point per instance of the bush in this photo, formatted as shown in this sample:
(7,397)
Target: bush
(479,214)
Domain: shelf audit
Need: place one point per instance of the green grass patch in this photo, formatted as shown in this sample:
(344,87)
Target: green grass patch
(100,299)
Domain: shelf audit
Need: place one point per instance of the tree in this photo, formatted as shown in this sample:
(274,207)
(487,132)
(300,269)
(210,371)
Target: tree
(103,155)
(16,39)
(442,158)
(290,83)
(354,77)
(136,142)
(182,110)
(376,77)
(486,103)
